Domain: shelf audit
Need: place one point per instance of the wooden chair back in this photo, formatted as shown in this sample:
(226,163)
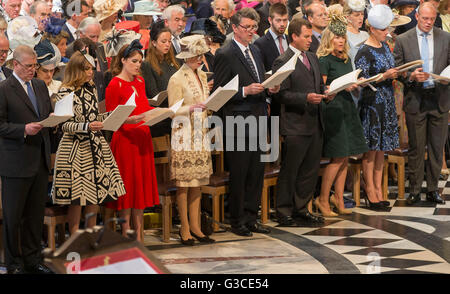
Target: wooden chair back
(161,149)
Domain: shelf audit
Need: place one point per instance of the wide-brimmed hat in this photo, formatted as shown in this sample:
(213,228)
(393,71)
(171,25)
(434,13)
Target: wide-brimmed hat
(400,20)
(105,8)
(22,30)
(48,55)
(192,46)
(356,5)
(380,16)
(116,39)
(145,7)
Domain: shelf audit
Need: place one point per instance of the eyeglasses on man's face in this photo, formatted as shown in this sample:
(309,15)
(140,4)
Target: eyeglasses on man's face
(2,52)
(249,28)
(28,66)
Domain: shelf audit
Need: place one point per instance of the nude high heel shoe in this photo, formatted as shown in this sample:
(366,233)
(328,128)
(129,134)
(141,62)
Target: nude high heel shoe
(322,210)
(340,211)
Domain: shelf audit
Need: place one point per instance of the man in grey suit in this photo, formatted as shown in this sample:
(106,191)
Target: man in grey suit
(301,125)
(426,102)
(25,163)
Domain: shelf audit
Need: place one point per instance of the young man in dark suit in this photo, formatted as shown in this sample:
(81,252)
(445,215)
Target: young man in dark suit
(274,42)
(301,126)
(426,102)
(25,165)
(239,57)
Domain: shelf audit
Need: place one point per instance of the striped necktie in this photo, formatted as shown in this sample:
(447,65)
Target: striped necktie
(250,63)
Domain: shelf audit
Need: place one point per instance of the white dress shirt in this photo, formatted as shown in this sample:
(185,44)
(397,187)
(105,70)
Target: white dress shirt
(24,86)
(297,51)
(72,30)
(243,48)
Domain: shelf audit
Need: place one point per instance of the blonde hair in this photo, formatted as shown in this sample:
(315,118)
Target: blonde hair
(326,45)
(75,75)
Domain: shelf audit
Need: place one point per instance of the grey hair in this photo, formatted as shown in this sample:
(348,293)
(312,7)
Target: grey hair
(23,50)
(34,6)
(167,13)
(85,23)
(231,5)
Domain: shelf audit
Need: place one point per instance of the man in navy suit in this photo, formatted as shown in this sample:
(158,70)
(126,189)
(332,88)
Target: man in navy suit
(241,58)
(274,42)
(25,163)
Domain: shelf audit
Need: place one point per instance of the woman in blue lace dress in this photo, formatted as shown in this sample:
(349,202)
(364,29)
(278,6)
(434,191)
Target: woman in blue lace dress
(377,108)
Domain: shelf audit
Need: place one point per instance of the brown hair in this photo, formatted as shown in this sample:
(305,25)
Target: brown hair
(74,75)
(443,7)
(245,12)
(296,25)
(56,39)
(278,8)
(155,58)
(326,45)
(116,61)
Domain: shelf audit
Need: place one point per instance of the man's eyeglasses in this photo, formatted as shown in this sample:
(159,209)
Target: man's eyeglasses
(5,51)
(249,28)
(28,66)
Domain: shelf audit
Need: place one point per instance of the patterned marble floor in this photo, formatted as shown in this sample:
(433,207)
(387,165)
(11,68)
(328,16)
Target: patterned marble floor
(405,239)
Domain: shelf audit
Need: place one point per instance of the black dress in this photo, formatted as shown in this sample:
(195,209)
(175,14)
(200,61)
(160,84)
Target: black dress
(154,84)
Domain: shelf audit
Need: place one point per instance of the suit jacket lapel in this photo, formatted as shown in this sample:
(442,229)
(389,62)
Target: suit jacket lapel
(436,50)
(22,94)
(414,44)
(272,43)
(314,69)
(242,59)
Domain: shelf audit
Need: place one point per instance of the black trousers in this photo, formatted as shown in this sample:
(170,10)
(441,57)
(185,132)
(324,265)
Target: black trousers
(23,202)
(246,181)
(298,174)
(426,128)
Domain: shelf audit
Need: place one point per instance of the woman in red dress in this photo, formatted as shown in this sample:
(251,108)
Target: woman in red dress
(132,144)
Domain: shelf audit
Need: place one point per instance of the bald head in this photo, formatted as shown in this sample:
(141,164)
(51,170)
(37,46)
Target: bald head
(4,48)
(426,16)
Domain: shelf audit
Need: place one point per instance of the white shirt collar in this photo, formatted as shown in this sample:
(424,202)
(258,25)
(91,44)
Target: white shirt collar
(420,32)
(19,79)
(72,29)
(242,47)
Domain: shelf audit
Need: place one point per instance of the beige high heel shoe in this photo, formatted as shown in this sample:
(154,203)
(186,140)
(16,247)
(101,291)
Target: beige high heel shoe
(322,210)
(340,211)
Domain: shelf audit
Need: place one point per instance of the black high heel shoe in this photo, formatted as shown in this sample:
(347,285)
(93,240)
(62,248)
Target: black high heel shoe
(188,242)
(373,205)
(205,239)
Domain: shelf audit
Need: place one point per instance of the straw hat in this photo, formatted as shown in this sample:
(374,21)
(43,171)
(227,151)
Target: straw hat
(22,30)
(145,7)
(192,46)
(116,39)
(105,8)
(400,20)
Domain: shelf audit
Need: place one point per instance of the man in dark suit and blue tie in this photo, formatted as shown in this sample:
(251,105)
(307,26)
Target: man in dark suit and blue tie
(25,163)
(241,58)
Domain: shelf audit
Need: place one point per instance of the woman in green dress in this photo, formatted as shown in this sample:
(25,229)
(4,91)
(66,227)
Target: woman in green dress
(343,135)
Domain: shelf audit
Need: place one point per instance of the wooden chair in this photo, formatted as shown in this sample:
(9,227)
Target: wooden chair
(166,190)
(355,164)
(271,173)
(399,157)
(217,188)
(55,216)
